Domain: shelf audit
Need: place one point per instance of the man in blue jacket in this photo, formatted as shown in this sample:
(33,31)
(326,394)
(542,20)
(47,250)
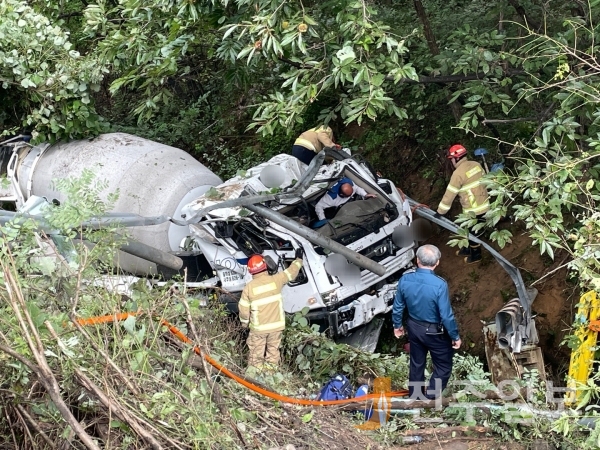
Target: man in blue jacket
(339,194)
(430,323)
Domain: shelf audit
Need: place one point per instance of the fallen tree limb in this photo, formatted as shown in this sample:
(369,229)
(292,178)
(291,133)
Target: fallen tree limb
(35,425)
(431,404)
(107,358)
(43,371)
(119,411)
(446,430)
(12,431)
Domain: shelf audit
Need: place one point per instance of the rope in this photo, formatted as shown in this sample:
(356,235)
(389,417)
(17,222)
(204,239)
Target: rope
(97,320)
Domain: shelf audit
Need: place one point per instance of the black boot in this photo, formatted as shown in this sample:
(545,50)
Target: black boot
(464,251)
(474,254)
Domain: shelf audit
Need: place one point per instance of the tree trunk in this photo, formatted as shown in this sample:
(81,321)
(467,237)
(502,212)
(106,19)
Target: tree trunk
(434,49)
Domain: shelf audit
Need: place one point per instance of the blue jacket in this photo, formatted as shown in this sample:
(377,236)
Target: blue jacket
(426,297)
(335,189)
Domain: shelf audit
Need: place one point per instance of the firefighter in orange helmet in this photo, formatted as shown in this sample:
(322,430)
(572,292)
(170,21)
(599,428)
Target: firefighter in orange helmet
(261,309)
(466,182)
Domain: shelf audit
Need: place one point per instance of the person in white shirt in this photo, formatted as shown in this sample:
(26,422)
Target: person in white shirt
(340,193)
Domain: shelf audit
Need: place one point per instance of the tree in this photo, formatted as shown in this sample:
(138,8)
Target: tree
(317,50)
(48,84)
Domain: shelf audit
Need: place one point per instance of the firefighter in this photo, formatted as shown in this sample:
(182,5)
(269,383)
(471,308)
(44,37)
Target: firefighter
(312,142)
(261,309)
(467,183)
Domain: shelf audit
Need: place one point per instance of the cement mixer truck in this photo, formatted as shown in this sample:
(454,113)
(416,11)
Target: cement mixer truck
(181,215)
(167,198)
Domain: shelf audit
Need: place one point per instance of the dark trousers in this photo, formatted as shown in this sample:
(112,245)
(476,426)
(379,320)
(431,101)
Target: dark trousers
(440,347)
(303,154)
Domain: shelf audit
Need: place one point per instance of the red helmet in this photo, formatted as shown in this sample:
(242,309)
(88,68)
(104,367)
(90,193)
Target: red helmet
(456,151)
(256,264)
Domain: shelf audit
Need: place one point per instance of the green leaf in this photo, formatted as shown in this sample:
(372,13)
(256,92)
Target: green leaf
(307,417)
(589,185)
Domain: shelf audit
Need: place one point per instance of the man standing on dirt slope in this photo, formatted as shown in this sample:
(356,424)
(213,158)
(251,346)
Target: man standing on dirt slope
(466,182)
(430,323)
(261,309)
(311,142)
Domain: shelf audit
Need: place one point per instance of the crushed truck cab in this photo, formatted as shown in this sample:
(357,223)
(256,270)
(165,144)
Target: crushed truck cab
(274,222)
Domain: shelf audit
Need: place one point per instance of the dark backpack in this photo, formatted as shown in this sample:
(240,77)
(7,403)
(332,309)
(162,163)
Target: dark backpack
(337,388)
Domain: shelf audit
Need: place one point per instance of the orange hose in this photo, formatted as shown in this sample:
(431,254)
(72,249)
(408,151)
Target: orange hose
(259,390)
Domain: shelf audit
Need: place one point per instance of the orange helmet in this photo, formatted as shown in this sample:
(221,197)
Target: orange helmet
(456,151)
(256,264)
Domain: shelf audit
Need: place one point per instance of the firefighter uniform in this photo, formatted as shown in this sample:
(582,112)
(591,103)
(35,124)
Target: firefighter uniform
(312,142)
(261,308)
(466,182)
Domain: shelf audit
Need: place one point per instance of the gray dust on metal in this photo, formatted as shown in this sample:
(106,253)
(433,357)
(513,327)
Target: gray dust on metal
(295,192)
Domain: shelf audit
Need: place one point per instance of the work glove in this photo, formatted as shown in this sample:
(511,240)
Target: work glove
(245,325)
(299,253)
(437,215)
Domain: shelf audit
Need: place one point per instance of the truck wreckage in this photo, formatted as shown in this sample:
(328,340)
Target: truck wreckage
(181,216)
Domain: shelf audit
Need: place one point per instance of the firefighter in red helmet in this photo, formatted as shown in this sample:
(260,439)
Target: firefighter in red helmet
(261,309)
(466,182)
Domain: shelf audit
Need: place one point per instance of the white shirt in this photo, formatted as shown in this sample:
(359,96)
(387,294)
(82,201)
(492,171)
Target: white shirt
(328,202)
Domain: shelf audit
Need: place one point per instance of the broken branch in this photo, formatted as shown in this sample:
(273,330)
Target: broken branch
(43,371)
(116,407)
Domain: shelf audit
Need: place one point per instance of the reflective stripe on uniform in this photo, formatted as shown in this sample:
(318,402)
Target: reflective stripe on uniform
(452,189)
(253,317)
(268,326)
(478,209)
(443,207)
(473,171)
(469,186)
(305,143)
(264,288)
(289,276)
(265,301)
(245,303)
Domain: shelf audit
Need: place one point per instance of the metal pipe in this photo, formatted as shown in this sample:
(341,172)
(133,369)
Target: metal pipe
(318,239)
(152,254)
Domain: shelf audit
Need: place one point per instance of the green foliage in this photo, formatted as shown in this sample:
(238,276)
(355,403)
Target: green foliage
(317,357)
(50,83)
(84,200)
(316,50)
